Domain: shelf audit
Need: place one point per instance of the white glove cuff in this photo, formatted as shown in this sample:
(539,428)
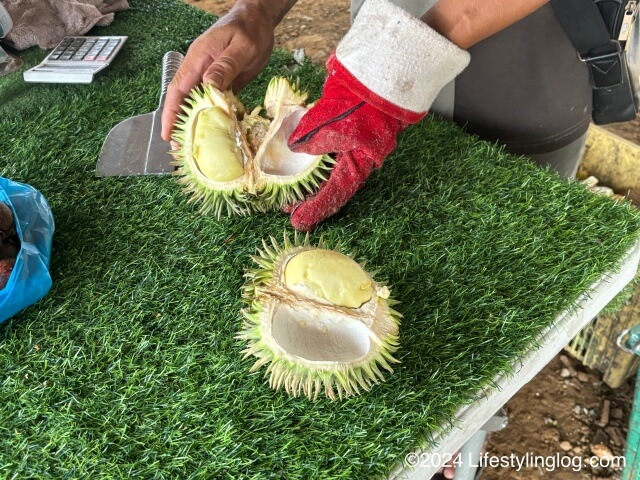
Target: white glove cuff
(399,57)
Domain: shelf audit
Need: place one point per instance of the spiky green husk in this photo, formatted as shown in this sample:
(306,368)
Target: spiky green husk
(275,195)
(297,377)
(213,197)
(281,93)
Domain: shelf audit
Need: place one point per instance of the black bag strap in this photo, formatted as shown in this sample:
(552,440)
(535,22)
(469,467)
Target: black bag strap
(585,27)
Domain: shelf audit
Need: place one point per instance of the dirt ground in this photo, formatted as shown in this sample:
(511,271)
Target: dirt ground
(566,410)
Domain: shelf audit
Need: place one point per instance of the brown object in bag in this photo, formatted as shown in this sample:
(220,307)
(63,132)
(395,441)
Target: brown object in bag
(7,226)
(6,267)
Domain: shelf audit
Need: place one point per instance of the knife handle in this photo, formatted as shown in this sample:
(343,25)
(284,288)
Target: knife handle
(170,63)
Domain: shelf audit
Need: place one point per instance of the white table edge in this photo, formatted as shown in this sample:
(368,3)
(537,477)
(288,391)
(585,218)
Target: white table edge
(552,340)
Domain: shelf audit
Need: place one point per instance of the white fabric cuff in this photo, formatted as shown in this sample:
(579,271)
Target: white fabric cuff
(398,56)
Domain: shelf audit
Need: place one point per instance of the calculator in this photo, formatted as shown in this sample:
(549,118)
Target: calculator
(76,60)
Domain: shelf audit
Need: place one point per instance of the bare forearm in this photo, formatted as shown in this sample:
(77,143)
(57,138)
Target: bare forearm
(275,10)
(467,22)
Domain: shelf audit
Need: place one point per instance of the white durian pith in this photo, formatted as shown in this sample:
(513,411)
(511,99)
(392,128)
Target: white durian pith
(318,320)
(234,162)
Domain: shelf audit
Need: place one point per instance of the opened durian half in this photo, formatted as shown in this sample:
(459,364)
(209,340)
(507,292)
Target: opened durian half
(318,319)
(240,163)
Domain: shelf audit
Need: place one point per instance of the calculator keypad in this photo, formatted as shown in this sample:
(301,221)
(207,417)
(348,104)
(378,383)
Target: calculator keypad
(88,49)
(76,59)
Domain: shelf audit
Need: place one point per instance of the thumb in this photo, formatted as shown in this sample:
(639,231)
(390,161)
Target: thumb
(226,67)
(183,81)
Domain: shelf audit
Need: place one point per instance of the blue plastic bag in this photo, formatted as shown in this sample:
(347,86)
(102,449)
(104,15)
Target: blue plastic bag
(30,279)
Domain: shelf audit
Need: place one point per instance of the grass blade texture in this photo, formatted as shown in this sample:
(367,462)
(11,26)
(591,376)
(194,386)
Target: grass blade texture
(128,368)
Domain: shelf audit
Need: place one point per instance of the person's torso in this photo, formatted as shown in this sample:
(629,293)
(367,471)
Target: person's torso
(525,86)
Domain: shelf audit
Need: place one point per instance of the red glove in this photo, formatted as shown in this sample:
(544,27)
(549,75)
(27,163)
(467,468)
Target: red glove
(359,126)
(383,77)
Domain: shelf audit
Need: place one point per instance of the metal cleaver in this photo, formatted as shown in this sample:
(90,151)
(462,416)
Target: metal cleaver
(134,146)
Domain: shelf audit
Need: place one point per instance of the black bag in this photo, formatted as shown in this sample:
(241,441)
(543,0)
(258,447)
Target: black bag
(606,36)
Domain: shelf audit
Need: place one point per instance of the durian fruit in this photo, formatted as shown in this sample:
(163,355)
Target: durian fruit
(318,319)
(240,163)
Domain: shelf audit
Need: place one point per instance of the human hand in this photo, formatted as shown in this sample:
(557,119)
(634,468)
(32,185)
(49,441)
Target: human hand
(384,76)
(230,53)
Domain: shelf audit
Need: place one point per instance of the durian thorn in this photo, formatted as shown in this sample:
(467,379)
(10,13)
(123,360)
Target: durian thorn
(287,241)
(296,386)
(366,369)
(259,257)
(287,383)
(260,363)
(340,390)
(317,388)
(340,377)
(361,380)
(383,362)
(276,247)
(308,386)
(352,387)
(272,379)
(283,379)
(376,370)
(265,253)
(277,376)
(328,390)
(319,178)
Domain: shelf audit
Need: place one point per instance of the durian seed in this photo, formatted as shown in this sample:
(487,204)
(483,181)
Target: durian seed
(328,275)
(214,146)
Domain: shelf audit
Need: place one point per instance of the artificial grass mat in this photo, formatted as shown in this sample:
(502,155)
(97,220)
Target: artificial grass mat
(129,368)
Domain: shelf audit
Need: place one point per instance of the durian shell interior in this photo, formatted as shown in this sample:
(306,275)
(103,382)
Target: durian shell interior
(318,332)
(213,98)
(266,156)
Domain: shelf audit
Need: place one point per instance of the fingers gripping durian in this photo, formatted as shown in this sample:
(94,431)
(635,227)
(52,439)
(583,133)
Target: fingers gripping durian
(318,319)
(239,163)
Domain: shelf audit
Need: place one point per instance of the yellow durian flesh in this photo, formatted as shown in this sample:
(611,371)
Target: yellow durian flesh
(215,149)
(329,275)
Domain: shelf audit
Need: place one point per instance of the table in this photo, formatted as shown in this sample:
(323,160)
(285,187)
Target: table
(471,418)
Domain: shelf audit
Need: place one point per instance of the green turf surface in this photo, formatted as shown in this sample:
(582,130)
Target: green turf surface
(128,368)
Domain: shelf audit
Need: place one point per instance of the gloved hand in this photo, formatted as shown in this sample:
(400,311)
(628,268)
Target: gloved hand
(362,133)
(383,77)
